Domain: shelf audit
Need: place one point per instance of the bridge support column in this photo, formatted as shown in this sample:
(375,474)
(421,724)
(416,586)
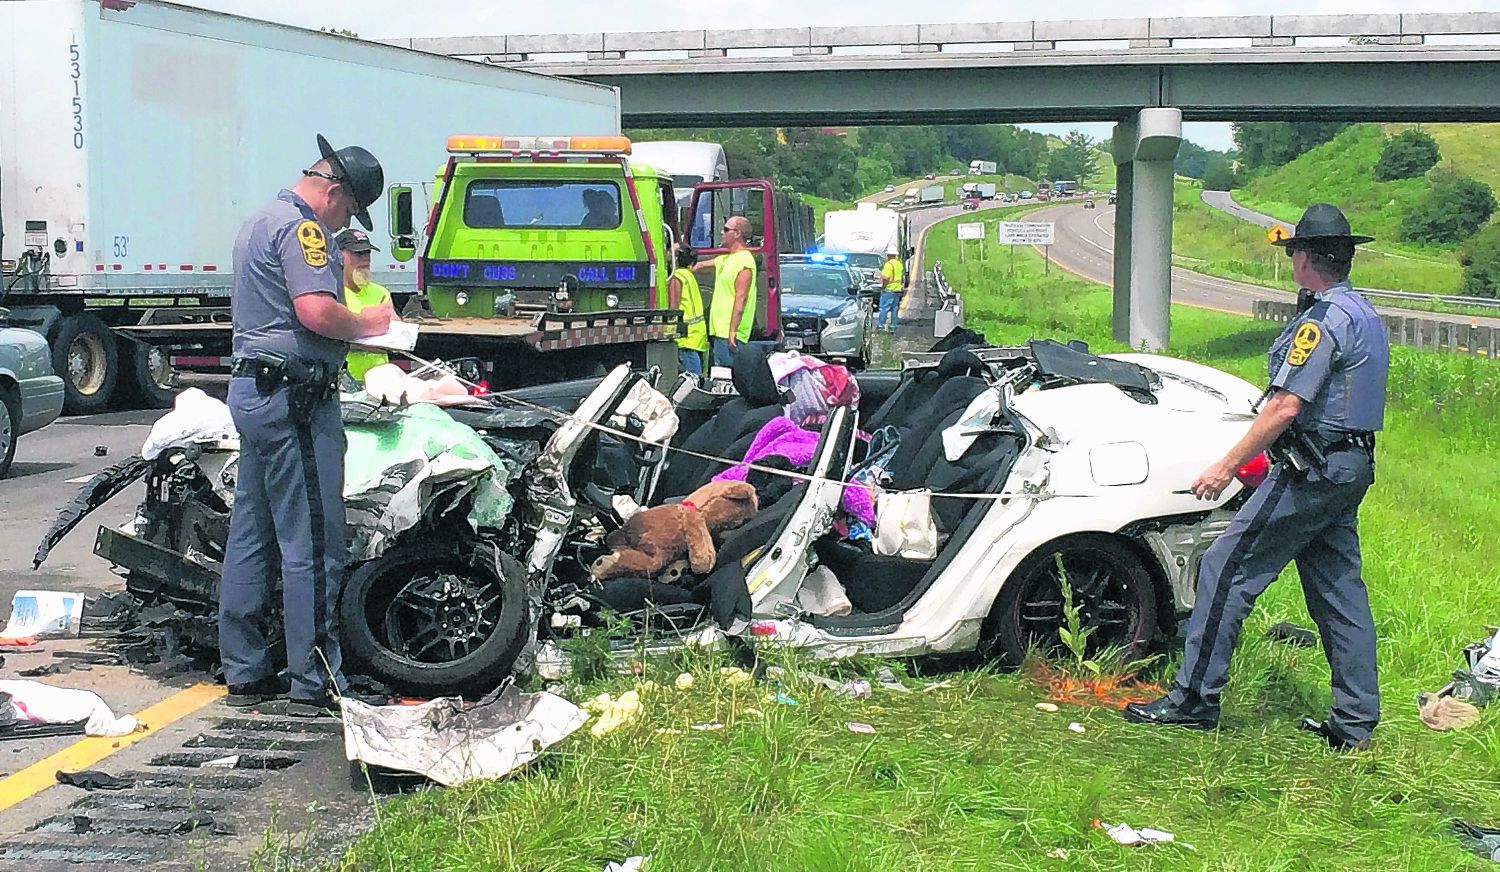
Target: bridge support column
(1144,148)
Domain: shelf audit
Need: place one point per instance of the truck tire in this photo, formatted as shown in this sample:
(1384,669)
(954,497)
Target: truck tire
(425,623)
(150,382)
(85,356)
(10,424)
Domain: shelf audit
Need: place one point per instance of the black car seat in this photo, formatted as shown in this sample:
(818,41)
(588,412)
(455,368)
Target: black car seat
(875,583)
(919,387)
(731,428)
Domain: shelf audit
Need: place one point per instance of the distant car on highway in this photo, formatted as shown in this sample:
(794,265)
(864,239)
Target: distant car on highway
(955,172)
(1089,203)
(889,188)
(31,395)
(1026,195)
(930,177)
(1111,196)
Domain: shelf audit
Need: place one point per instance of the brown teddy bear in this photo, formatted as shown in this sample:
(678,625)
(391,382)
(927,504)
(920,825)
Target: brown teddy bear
(652,539)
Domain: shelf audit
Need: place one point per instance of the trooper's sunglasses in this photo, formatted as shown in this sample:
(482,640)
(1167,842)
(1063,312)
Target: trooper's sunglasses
(322,175)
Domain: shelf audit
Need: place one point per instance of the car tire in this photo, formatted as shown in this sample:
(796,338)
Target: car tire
(85,356)
(151,382)
(1123,605)
(381,617)
(10,425)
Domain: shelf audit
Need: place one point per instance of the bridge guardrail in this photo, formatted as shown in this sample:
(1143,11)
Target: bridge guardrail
(1445,299)
(950,313)
(1448,336)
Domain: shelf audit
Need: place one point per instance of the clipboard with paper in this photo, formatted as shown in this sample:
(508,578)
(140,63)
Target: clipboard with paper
(400,336)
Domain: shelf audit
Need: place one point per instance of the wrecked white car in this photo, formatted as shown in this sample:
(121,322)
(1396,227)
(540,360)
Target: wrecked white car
(993,465)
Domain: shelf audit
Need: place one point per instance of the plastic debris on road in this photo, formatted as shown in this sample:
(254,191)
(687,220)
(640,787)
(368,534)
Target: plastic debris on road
(1076,727)
(613,712)
(629,864)
(451,744)
(32,702)
(43,613)
(857,727)
(1048,707)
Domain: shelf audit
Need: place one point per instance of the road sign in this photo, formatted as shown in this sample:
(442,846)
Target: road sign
(1027,233)
(1278,233)
(971,231)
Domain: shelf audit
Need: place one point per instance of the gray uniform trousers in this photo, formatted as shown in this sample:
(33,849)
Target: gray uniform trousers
(288,521)
(1290,517)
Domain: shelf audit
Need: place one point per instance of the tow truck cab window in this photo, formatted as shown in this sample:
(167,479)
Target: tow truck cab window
(498,203)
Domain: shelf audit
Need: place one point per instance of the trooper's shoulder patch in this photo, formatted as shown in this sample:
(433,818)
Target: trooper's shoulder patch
(314,243)
(1307,337)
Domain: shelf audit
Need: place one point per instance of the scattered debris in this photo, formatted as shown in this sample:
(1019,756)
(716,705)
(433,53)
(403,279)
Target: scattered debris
(1077,727)
(684,681)
(1291,634)
(857,727)
(1048,707)
(199,820)
(629,864)
(1114,692)
(930,686)
(1125,834)
(1444,713)
(886,678)
(101,450)
(1482,840)
(780,697)
(614,713)
(449,743)
(36,703)
(94,779)
(1058,853)
(43,613)
(230,762)
(708,727)
(858,688)
(195,418)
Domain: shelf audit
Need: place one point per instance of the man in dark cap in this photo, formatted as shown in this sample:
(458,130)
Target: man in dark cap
(1317,421)
(291,332)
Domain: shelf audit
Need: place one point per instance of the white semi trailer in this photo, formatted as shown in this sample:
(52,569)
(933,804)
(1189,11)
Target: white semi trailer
(135,137)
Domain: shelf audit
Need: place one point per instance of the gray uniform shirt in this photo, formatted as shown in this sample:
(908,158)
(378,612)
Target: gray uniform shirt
(1335,357)
(283,252)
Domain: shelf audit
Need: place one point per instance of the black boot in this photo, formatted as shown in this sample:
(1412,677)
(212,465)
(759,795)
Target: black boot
(1164,712)
(327,706)
(1334,740)
(254,693)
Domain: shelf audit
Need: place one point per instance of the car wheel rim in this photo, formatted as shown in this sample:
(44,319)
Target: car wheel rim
(159,368)
(438,617)
(1103,593)
(86,363)
(7,434)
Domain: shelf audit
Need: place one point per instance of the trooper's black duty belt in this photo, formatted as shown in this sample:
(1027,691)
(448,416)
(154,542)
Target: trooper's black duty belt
(308,381)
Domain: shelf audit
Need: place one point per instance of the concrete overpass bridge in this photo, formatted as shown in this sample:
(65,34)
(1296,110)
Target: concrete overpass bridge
(1145,74)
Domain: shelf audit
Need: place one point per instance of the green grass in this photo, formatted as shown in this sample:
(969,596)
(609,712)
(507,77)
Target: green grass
(974,777)
(1213,242)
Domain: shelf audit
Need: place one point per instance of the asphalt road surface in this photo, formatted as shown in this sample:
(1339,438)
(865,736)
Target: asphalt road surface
(289,780)
(1085,246)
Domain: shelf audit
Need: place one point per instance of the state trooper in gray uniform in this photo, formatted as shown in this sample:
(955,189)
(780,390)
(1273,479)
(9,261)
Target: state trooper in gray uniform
(291,333)
(1317,422)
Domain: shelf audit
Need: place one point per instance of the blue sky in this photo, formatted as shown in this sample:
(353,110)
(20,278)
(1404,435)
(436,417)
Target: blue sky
(380,19)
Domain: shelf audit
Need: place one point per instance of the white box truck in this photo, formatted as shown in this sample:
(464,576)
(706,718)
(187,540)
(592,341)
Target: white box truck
(983,168)
(136,137)
(865,234)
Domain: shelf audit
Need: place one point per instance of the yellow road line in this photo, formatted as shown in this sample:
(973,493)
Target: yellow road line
(84,753)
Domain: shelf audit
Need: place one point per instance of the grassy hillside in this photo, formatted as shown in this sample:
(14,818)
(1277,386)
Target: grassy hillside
(1471,148)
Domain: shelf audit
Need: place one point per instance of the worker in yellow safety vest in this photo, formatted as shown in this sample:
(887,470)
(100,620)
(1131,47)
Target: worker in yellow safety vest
(683,294)
(732,310)
(359,293)
(892,278)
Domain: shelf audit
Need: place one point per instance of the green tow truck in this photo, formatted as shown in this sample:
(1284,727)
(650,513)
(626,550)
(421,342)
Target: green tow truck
(546,258)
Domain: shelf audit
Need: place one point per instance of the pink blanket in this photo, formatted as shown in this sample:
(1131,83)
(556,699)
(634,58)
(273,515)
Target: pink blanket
(782,437)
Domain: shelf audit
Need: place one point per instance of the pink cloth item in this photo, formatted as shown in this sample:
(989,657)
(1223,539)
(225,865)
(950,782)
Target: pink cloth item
(784,363)
(784,438)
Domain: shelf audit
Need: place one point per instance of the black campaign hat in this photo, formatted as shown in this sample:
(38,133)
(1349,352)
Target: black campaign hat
(1323,221)
(360,172)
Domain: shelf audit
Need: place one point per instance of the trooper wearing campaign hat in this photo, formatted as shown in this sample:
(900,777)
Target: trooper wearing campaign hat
(1317,422)
(291,330)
